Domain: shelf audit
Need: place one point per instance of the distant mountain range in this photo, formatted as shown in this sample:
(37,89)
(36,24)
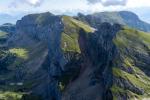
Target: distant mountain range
(122,17)
(101,56)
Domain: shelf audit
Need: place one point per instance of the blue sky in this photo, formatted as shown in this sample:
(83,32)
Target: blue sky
(71,7)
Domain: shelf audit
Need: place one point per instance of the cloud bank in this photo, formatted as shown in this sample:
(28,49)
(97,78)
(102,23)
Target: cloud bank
(109,2)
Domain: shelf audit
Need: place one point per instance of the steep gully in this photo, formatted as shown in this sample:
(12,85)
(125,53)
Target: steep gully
(97,51)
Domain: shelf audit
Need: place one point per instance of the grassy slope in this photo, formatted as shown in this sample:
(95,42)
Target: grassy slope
(3,34)
(71,32)
(10,96)
(19,52)
(127,42)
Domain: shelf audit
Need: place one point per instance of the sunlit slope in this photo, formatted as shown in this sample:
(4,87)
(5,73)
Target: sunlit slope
(132,65)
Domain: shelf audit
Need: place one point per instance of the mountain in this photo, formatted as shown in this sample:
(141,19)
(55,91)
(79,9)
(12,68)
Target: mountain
(49,57)
(8,28)
(122,17)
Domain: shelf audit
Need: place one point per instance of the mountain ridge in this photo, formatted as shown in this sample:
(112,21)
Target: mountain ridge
(50,57)
(121,17)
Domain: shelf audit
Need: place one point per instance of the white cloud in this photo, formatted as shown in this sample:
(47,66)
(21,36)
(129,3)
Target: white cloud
(34,3)
(138,3)
(22,7)
(109,2)
(123,3)
(71,6)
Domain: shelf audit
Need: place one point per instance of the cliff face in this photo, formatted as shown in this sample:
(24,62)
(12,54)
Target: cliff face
(36,40)
(50,45)
(95,76)
(53,57)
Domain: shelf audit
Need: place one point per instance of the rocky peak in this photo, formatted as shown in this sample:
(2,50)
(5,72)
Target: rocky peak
(39,26)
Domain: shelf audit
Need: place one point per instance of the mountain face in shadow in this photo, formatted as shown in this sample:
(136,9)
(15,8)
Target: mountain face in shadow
(102,56)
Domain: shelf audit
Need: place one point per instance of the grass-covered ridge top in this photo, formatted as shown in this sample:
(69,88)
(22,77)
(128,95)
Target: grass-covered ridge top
(76,24)
(69,40)
(127,36)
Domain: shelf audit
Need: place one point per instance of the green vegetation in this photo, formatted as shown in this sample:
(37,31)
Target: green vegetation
(119,91)
(75,24)
(3,34)
(131,42)
(142,82)
(61,86)
(116,89)
(10,96)
(82,25)
(128,62)
(19,52)
(69,41)
(136,40)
